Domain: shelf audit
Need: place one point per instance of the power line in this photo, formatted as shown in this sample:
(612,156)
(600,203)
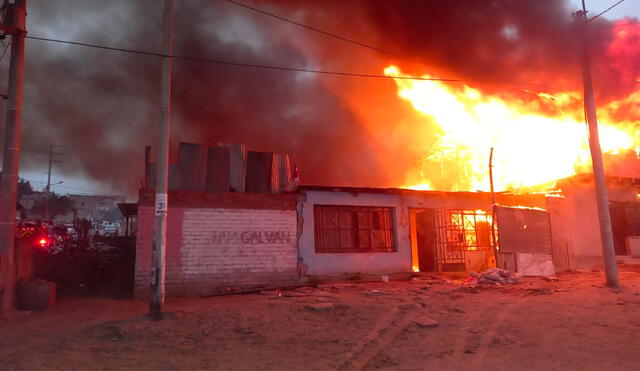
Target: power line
(608,9)
(238,64)
(279,68)
(83,190)
(327,33)
(375,48)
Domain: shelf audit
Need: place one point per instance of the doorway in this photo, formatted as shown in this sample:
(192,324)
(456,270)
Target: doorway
(625,223)
(451,240)
(423,240)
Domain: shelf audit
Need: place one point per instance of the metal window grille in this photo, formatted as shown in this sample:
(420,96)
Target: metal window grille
(459,231)
(353,229)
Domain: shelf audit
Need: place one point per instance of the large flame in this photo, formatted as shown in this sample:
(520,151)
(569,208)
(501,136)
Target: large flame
(532,148)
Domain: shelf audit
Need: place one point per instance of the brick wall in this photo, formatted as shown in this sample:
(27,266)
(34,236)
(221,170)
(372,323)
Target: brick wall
(209,248)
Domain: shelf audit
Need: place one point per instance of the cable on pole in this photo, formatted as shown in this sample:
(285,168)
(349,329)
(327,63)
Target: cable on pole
(239,64)
(327,33)
(605,11)
(375,48)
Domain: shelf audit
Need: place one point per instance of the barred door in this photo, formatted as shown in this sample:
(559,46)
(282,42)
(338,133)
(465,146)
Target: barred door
(458,231)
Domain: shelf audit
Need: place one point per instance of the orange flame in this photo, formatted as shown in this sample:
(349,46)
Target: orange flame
(532,149)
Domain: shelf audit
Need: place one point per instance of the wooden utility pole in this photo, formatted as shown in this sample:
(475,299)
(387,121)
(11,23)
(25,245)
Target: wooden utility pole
(52,161)
(162,172)
(494,242)
(13,24)
(606,234)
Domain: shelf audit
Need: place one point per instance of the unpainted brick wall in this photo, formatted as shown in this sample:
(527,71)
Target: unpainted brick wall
(213,248)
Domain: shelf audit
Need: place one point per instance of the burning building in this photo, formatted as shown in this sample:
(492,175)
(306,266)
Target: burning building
(220,237)
(422,144)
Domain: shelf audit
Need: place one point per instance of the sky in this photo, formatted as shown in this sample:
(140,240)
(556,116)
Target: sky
(96,77)
(628,8)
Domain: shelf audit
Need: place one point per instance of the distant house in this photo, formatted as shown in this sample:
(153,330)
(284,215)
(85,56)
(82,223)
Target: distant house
(94,207)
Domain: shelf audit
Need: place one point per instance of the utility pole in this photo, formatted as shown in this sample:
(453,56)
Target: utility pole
(606,234)
(162,176)
(494,242)
(52,161)
(13,23)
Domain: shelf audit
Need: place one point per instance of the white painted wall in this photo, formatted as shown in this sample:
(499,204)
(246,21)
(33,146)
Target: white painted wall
(378,263)
(577,213)
(209,248)
(335,264)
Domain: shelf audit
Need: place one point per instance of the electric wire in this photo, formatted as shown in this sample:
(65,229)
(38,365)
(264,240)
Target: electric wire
(378,49)
(240,64)
(82,190)
(327,33)
(285,68)
(605,11)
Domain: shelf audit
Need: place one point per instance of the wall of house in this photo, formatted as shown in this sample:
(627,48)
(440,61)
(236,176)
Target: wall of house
(220,240)
(400,261)
(575,221)
(320,264)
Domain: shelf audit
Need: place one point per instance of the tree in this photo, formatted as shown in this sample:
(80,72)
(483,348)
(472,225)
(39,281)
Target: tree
(24,188)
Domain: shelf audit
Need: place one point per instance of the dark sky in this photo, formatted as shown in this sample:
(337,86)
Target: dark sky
(103,105)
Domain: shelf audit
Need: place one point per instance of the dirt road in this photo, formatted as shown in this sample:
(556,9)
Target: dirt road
(423,324)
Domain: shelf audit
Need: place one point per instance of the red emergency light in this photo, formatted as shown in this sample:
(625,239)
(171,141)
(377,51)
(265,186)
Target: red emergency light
(43,242)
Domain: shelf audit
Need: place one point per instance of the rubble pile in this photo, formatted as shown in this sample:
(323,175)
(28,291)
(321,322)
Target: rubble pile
(493,276)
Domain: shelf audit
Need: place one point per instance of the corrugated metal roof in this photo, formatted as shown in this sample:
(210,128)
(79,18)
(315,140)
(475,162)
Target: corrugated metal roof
(259,172)
(218,171)
(192,161)
(280,172)
(237,166)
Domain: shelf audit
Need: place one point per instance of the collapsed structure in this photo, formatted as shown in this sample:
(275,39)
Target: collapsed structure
(232,223)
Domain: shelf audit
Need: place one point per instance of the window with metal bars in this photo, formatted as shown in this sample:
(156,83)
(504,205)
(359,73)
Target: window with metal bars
(353,229)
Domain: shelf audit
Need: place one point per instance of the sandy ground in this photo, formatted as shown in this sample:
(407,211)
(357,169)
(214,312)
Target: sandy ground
(423,324)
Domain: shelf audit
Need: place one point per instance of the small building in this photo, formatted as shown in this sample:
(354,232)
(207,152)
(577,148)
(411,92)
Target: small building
(575,221)
(220,240)
(94,207)
(348,231)
(234,222)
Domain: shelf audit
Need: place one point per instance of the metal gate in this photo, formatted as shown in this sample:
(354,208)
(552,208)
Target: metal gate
(459,231)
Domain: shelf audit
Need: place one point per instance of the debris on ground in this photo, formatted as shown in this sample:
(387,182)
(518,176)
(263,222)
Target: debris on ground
(408,306)
(455,310)
(319,307)
(537,291)
(472,280)
(551,278)
(505,327)
(425,321)
(472,330)
(493,276)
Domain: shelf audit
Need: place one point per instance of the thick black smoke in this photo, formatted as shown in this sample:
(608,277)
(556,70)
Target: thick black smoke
(103,105)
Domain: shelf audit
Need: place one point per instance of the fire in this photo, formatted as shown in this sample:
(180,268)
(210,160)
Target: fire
(531,149)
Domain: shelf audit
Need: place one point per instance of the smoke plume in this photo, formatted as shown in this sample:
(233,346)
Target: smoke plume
(103,106)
